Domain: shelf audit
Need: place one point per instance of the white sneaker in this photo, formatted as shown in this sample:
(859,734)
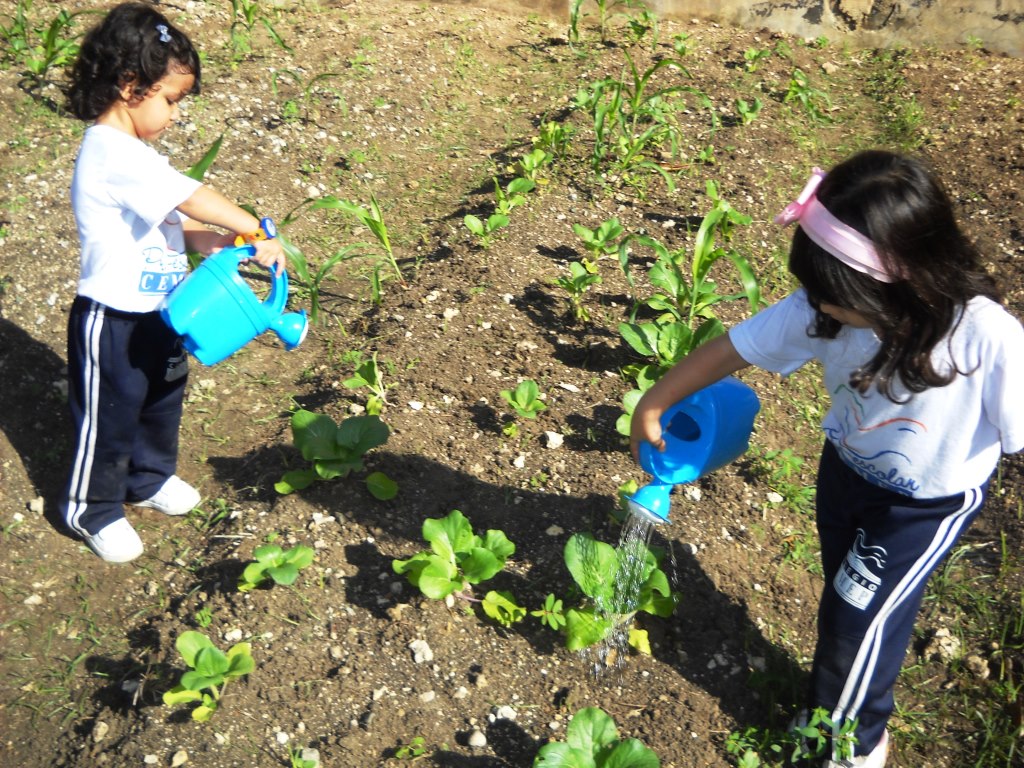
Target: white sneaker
(876,759)
(116,543)
(175,497)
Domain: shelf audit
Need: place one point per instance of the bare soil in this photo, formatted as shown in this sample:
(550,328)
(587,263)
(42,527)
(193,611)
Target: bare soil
(426,104)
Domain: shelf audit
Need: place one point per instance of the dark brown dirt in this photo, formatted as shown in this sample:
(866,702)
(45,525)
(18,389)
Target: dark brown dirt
(426,105)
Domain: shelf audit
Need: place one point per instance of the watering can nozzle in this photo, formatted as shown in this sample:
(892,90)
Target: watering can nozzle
(651,502)
(291,328)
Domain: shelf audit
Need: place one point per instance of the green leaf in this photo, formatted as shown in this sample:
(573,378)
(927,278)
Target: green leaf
(268,553)
(179,694)
(211,662)
(253,575)
(499,544)
(502,607)
(591,730)
(381,487)
(197,682)
(295,480)
(189,643)
(300,556)
(361,433)
(561,755)
(198,171)
(631,753)
(593,565)
(283,574)
(452,533)
(479,565)
(439,579)
(583,629)
(203,713)
(473,224)
(314,435)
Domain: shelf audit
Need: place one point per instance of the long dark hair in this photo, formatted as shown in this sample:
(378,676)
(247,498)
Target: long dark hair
(134,44)
(900,205)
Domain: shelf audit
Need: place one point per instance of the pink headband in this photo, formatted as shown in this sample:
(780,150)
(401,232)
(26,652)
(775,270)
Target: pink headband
(842,241)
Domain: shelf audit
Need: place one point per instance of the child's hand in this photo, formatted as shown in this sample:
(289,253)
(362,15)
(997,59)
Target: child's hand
(645,425)
(269,253)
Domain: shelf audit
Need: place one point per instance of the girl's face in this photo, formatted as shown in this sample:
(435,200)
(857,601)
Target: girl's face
(150,116)
(845,316)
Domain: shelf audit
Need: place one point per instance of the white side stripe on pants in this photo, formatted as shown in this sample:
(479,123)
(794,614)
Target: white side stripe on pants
(85,452)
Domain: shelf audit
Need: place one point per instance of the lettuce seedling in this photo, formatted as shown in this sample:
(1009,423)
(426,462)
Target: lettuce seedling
(617,584)
(456,559)
(525,399)
(592,741)
(211,669)
(334,449)
(273,563)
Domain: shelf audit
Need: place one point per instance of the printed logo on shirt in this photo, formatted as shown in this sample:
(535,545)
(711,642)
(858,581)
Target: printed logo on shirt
(882,466)
(161,271)
(860,575)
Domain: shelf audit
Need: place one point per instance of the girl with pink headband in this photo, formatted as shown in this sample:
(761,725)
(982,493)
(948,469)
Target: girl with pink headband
(923,366)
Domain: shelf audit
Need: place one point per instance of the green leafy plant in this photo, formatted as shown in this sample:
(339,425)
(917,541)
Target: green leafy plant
(512,196)
(525,399)
(204,617)
(592,741)
(616,584)
(551,613)
(816,103)
(296,759)
(39,48)
(299,109)
(533,162)
(412,751)
(275,564)
(748,111)
(485,229)
(554,138)
(211,669)
(603,241)
(245,15)
(457,559)
(813,737)
(581,276)
(334,449)
(368,375)
(752,58)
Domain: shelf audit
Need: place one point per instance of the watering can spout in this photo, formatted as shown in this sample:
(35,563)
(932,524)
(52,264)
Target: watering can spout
(651,502)
(290,328)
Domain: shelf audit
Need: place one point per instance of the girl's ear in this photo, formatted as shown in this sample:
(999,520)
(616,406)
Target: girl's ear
(127,89)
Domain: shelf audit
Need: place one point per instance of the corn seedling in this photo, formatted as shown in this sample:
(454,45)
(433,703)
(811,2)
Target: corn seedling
(211,669)
(245,15)
(39,48)
(815,103)
(581,276)
(752,58)
(372,218)
(554,138)
(292,109)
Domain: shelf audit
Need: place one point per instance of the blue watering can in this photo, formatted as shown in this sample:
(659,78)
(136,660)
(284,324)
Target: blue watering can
(217,314)
(702,432)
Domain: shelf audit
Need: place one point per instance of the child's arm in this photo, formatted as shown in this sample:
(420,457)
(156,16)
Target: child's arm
(209,206)
(703,366)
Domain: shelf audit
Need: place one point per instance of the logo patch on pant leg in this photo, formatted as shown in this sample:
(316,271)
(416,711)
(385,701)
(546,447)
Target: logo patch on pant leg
(860,575)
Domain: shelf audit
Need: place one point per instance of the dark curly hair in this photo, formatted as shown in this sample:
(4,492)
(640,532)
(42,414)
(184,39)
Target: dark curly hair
(900,205)
(129,47)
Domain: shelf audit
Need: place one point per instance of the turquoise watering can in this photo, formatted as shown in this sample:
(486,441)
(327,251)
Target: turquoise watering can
(216,313)
(702,432)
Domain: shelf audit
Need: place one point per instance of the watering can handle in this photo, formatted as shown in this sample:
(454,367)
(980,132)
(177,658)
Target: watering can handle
(275,302)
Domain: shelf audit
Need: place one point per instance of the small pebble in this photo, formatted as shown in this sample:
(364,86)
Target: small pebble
(477,739)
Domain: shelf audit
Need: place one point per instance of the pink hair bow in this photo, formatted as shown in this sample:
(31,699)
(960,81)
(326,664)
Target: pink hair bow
(842,241)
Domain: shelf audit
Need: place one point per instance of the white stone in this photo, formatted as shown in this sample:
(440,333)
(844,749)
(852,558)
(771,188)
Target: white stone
(554,440)
(477,740)
(180,758)
(421,652)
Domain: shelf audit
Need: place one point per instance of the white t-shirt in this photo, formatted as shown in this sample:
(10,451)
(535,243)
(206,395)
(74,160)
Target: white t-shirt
(944,440)
(124,194)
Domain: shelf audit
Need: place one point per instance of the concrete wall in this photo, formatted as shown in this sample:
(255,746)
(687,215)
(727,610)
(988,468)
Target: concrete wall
(997,24)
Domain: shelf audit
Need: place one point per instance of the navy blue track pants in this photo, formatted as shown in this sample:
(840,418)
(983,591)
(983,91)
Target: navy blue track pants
(126,383)
(878,549)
